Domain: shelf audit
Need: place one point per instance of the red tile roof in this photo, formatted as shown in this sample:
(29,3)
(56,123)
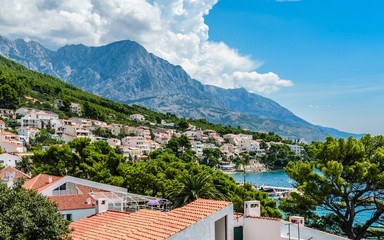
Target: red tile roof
(40,182)
(75,201)
(18,174)
(71,202)
(144,224)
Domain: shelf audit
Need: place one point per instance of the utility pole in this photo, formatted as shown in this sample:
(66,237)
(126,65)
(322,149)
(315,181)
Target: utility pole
(289,231)
(298,230)
(244,185)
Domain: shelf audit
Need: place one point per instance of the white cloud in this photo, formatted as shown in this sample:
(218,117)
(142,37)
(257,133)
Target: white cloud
(172,29)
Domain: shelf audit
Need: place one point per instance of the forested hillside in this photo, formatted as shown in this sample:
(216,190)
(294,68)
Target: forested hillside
(21,87)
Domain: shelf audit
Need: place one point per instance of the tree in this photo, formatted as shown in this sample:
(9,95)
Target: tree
(211,156)
(8,97)
(278,156)
(192,187)
(25,165)
(347,181)
(25,214)
(180,146)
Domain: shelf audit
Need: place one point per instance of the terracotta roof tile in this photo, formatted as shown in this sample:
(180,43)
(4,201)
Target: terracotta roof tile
(40,182)
(75,201)
(18,173)
(71,202)
(144,224)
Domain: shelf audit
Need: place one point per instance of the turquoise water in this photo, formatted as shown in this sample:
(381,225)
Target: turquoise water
(280,179)
(270,178)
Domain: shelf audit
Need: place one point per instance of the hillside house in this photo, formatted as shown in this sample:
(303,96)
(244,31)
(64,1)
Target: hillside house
(2,126)
(35,118)
(75,108)
(27,133)
(12,147)
(114,142)
(72,132)
(7,113)
(137,117)
(9,175)
(137,142)
(10,160)
(296,148)
(8,136)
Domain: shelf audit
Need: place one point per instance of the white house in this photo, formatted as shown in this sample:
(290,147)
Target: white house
(257,227)
(72,132)
(114,142)
(7,113)
(12,147)
(296,148)
(27,132)
(8,136)
(137,117)
(74,196)
(137,142)
(35,118)
(2,126)
(202,219)
(9,175)
(7,159)
(75,108)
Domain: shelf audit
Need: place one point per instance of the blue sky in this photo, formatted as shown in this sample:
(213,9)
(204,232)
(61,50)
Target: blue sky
(332,51)
(321,59)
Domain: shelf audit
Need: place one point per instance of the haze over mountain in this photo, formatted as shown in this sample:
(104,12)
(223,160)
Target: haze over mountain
(125,72)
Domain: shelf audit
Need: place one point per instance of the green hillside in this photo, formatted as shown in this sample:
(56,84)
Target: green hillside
(21,87)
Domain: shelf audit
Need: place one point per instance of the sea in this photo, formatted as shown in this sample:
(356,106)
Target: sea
(279,178)
(270,178)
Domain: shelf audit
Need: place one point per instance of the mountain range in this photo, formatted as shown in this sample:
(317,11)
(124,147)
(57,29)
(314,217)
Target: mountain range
(125,72)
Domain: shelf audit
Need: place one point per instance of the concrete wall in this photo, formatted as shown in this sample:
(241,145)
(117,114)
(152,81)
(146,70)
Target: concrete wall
(305,233)
(79,213)
(205,229)
(261,229)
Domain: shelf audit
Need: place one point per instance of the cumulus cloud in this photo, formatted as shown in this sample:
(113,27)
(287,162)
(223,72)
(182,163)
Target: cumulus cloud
(172,29)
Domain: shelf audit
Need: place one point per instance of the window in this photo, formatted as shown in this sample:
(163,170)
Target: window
(67,216)
(62,190)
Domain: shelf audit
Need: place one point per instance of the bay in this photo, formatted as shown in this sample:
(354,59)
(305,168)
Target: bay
(279,178)
(276,178)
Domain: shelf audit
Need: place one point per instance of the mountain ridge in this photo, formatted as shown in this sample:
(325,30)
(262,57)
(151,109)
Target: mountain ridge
(124,71)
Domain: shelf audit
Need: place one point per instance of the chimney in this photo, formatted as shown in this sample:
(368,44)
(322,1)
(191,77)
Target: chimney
(296,220)
(88,201)
(101,205)
(10,178)
(252,208)
(49,179)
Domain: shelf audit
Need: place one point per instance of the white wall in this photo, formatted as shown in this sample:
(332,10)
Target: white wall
(305,233)
(205,229)
(261,229)
(7,159)
(79,213)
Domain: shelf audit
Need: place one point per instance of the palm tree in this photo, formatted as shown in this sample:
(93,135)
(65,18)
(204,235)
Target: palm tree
(25,165)
(192,187)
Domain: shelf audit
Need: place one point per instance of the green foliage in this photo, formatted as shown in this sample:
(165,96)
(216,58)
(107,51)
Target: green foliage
(25,165)
(25,214)
(44,138)
(8,97)
(211,157)
(192,187)
(347,180)
(161,175)
(181,147)
(279,155)
(94,161)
